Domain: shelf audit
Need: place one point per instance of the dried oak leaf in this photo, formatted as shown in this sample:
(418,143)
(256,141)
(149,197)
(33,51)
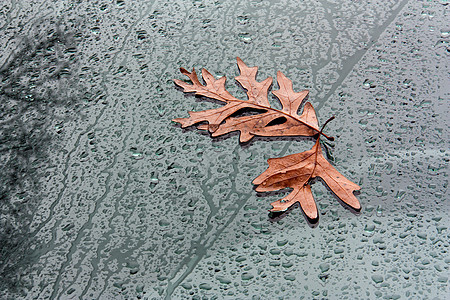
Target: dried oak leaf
(270,122)
(295,171)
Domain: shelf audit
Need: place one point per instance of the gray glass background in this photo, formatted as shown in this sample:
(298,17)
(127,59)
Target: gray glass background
(102,196)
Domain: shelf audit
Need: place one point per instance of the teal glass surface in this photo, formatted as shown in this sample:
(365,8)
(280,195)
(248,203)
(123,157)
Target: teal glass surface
(102,196)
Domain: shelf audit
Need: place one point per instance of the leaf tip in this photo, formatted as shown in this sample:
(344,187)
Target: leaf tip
(280,74)
(259,188)
(244,137)
(275,210)
(313,216)
(206,73)
(241,64)
(178,120)
(356,206)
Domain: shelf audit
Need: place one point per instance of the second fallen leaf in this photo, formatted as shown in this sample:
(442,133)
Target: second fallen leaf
(295,171)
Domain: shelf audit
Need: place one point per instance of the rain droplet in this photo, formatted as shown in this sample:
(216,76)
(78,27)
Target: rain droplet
(369,228)
(324,267)
(377,278)
(136,154)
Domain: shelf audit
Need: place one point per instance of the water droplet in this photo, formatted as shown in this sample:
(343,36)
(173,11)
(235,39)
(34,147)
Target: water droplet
(289,277)
(223,280)
(246,276)
(379,210)
(275,251)
(422,235)
(164,223)
(205,286)
(324,267)
(154,179)
(186,285)
(369,228)
(377,278)
(120,3)
(282,243)
(338,250)
(136,154)
(368,84)
(240,258)
(245,37)
(95,30)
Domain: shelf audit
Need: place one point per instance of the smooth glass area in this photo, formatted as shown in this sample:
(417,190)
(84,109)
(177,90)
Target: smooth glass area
(102,196)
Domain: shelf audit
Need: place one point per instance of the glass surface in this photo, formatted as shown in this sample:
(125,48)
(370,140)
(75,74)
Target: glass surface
(103,197)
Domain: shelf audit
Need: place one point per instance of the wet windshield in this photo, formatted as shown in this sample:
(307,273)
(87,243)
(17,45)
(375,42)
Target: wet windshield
(104,197)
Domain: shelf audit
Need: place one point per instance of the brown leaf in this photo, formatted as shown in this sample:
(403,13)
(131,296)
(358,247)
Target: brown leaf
(295,171)
(220,120)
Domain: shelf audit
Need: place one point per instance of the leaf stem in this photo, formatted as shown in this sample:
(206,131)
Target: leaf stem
(323,127)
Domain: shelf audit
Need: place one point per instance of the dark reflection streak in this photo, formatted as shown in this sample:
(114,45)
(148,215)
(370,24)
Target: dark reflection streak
(102,245)
(352,61)
(198,249)
(88,225)
(349,64)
